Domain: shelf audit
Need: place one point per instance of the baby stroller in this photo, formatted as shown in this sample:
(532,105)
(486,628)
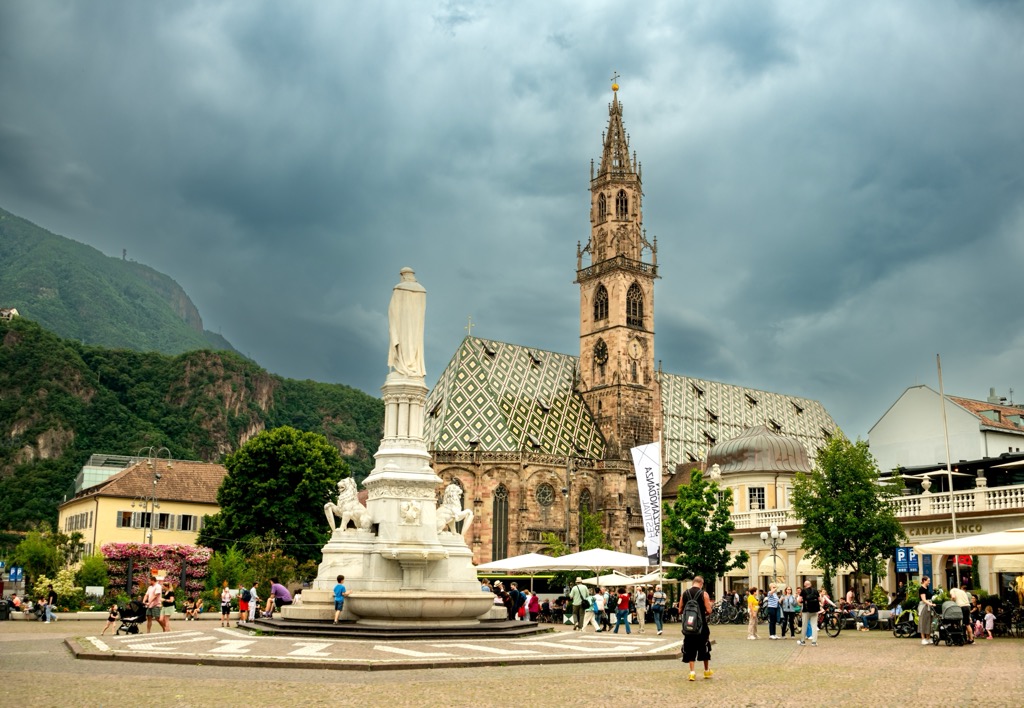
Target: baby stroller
(950,625)
(130,618)
(905,625)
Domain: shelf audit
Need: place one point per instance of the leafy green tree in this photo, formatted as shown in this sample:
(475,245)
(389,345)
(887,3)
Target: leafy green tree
(697,529)
(38,554)
(278,481)
(849,519)
(229,564)
(93,571)
(591,533)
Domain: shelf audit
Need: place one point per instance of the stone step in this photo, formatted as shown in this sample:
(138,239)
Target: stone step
(351,630)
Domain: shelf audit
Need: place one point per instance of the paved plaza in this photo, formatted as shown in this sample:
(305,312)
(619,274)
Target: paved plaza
(196,665)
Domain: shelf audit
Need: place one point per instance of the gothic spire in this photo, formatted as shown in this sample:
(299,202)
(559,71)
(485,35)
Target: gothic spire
(615,159)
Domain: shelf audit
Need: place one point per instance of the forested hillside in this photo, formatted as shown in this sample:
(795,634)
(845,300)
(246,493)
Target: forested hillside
(61,401)
(79,293)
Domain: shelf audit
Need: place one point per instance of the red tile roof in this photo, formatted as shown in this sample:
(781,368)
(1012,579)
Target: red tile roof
(978,407)
(180,480)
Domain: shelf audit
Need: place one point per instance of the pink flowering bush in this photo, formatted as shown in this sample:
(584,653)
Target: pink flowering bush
(166,558)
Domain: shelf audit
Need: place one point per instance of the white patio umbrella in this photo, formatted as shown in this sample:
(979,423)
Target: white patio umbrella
(525,561)
(594,560)
(613,578)
(525,564)
(656,578)
(986,544)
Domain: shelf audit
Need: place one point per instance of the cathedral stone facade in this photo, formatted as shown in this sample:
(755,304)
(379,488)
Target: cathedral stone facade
(534,436)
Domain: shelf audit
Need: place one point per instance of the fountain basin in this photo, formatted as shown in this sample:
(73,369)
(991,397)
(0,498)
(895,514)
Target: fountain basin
(418,608)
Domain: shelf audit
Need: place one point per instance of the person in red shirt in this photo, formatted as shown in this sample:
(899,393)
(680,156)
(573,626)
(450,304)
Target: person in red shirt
(622,611)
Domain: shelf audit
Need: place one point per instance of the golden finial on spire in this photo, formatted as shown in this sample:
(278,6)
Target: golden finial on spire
(615,80)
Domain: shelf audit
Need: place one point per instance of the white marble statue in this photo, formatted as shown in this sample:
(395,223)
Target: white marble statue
(450,511)
(406,315)
(348,507)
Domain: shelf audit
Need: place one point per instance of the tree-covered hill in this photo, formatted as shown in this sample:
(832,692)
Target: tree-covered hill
(61,401)
(79,293)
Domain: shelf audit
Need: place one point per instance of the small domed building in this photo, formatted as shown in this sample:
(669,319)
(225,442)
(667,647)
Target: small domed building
(759,466)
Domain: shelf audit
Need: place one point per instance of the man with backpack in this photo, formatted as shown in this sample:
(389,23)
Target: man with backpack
(694,610)
(244,596)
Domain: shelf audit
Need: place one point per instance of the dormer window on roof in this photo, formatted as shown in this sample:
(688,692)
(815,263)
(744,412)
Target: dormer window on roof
(992,415)
(434,409)
(534,441)
(776,428)
(750,399)
(489,350)
(535,358)
(796,406)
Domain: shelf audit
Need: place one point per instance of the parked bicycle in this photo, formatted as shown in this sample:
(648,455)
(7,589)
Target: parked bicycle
(832,620)
(905,625)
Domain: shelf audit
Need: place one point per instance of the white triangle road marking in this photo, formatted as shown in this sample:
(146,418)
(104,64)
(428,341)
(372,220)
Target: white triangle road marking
(487,650)
(310,649)
(409,652)
(232,646)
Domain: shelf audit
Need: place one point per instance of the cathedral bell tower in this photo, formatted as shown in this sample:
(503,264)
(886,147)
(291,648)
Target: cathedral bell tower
(617,377)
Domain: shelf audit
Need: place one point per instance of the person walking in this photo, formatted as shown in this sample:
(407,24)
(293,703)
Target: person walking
(51,604)
(809,605)
(225,605)
(924,610)
(590,613)
(167,605)
(697,647)
(771,601)
(600,597)
(640,602)
(579,599)
(533,605)
(152,602)
(789,606)
(752,607)
(658,607)
(622,611)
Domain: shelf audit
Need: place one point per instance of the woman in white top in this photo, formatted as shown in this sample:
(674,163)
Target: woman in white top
(640,601)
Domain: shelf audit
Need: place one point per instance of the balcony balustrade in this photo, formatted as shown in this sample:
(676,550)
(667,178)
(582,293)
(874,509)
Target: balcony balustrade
(969,501)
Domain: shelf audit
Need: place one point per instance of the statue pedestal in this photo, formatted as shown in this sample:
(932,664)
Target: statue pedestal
(403,571)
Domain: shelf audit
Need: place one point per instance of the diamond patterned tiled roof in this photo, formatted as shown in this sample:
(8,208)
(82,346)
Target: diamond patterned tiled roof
(700,413)
(508,398)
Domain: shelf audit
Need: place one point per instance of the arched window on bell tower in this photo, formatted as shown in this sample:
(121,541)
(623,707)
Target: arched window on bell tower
(499,520)
(621,205)
(586,501)
(602,207)
(634,306)
(601,303)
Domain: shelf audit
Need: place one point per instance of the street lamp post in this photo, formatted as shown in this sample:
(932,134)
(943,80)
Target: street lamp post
(149,501)
(773,538)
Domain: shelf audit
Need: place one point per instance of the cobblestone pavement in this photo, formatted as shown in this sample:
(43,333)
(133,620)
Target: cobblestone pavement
(36,669)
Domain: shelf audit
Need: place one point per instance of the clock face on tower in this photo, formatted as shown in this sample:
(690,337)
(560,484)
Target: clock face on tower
(601,352)
(634,349)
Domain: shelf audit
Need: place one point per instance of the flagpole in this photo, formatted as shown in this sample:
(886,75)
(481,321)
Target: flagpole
(949,467)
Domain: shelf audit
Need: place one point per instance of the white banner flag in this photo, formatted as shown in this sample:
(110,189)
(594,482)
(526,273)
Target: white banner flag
(647,464)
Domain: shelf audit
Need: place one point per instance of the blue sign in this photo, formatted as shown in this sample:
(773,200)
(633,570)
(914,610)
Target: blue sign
(906,560)
(17,574)
(927,566)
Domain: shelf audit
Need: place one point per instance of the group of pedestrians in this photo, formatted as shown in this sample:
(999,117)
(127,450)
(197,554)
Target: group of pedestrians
(596,606)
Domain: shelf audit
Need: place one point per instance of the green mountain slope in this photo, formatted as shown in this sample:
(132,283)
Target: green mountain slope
(61,401)
(79,293)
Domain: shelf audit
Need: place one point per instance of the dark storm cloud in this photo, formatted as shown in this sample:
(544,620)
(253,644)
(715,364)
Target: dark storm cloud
(835,187)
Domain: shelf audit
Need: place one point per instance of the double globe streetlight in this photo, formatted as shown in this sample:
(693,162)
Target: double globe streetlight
(774,538)
(149,501)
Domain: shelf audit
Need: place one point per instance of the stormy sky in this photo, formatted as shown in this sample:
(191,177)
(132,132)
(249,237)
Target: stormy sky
(836,187)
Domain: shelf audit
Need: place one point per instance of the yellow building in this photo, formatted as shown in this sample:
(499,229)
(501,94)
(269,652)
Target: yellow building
(153,501)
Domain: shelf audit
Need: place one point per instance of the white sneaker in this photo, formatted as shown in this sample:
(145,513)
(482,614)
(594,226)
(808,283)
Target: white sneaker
(801,642)
(925,642)
(814,644)
(659,631)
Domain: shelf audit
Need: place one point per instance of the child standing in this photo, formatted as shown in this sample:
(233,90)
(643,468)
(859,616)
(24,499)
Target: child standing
(111,618)
(752,607)
(990,622)
(340,591)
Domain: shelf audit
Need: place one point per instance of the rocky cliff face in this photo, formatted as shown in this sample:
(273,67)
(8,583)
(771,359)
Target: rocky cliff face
(173,293)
